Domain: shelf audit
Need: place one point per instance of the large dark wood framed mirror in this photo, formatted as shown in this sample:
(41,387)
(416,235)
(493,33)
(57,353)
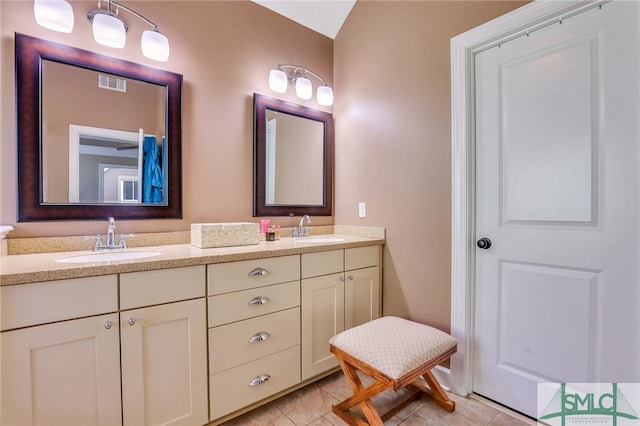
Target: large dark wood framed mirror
(293,159)
(96,136)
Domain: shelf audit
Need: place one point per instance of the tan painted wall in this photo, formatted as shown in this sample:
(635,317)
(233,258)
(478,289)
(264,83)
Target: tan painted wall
(393,140)
(224,50)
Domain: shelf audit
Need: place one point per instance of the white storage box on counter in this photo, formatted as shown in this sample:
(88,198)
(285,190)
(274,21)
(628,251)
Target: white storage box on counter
(207,235)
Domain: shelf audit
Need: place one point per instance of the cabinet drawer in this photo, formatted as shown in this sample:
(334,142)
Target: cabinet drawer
(40,303)
(322,263)
(148,288)
(230,345)
(234,276)
(361,257)
(231,307)
(231,390)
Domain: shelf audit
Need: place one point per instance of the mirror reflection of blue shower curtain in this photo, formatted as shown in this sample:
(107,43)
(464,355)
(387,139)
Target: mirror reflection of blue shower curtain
(152,179)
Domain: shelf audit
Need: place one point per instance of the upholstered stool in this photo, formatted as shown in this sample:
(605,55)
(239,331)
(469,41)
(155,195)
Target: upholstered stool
(394,352)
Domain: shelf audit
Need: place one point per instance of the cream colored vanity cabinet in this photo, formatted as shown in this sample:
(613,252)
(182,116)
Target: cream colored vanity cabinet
(163,332)
(61,353)
(254,334)
(322,309)
(340,289)
(362,290)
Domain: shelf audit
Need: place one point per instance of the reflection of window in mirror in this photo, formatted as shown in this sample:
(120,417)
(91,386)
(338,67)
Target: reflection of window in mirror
(128,189)
(73,96)
(294,172)
(112,179)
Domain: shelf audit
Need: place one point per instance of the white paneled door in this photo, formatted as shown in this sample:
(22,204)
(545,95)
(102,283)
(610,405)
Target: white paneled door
(557,182)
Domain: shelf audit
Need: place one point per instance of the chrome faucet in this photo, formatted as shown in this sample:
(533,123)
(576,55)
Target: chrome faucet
(110,243)
(111,239)
(301,230)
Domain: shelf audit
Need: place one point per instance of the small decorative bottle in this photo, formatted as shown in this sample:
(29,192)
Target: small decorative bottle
(270,235)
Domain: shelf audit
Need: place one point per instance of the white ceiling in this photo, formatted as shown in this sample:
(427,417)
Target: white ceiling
(323,16)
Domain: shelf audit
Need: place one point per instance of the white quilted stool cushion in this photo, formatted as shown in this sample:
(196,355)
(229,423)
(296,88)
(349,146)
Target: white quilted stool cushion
(392,345)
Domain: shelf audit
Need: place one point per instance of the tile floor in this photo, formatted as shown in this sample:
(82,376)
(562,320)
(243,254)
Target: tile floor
(311,406)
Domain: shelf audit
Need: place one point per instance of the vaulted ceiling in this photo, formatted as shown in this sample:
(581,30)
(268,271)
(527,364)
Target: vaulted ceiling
(323,16)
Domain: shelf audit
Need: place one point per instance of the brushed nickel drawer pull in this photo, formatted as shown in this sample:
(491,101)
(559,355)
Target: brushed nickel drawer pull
(131,321)
(258,272)
(259,337)
(258,300)
(107,325)
(258,380)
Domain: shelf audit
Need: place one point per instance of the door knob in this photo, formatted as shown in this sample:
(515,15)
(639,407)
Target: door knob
(484,243)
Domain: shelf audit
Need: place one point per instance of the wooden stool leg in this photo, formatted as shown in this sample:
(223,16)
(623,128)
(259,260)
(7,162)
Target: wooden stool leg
(435,392)
(361,396)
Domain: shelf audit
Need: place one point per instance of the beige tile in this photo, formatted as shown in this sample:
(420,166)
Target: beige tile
(336,385)
(306,405)
(333,419)
(393,421)
(311,406)
(321,422)
(387,397)
(473,409)
(427,417)
(468,412)
(505,411)
(410,409)
(267,415)
(503,419)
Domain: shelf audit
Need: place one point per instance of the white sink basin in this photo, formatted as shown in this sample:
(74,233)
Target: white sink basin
(4,230)
(108,256)
(319,240)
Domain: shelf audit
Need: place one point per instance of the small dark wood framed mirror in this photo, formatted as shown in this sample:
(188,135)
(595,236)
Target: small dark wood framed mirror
(48,187)
(293,159)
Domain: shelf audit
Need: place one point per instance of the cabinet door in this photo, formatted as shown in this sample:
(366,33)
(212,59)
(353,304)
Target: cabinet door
(65,373)
(361,296)
(322,318)
(164,364)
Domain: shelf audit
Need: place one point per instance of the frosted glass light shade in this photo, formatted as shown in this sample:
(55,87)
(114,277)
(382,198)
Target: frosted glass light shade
(304,90)
(56,15)
(325,95)
(155,45)
(109,30)
(278,81)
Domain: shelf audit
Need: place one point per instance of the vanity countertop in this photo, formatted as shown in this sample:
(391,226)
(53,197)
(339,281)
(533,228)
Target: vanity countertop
(30,268)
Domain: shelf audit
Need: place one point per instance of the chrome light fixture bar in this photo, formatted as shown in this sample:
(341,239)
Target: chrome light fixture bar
(279,80)
(109,28)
